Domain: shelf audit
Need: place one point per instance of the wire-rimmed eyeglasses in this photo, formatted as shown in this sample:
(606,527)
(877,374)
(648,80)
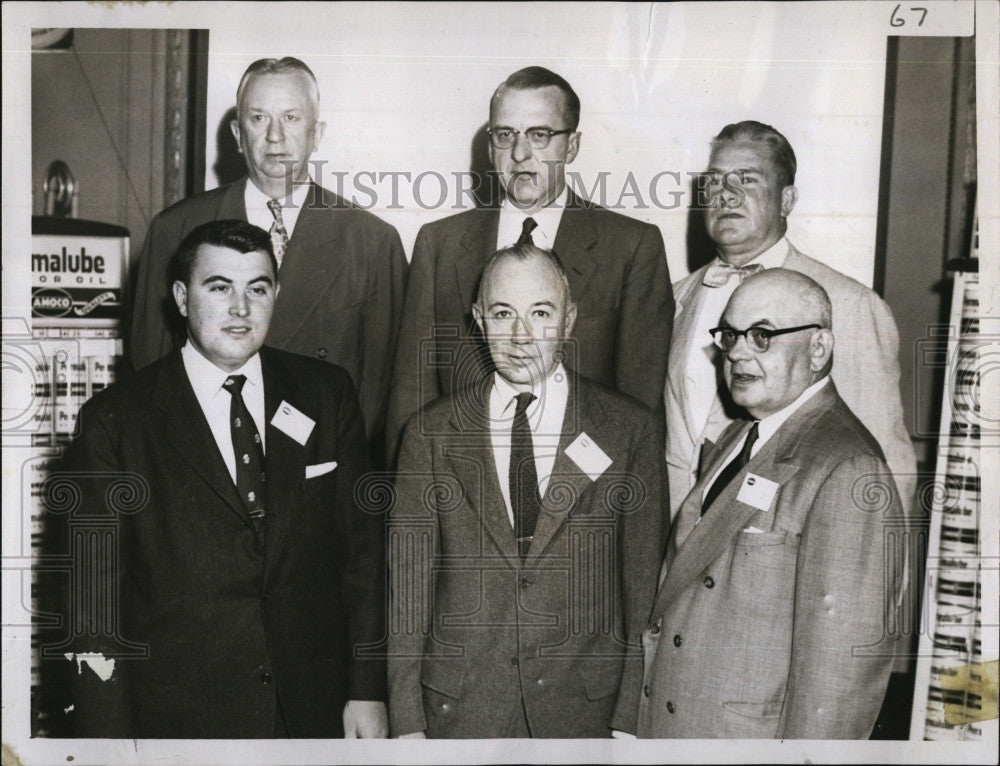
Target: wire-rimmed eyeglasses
(758,338)
(504,138)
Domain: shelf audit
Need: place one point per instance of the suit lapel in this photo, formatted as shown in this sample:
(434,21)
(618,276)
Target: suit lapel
(302,274)
(478,244)
(574,243)
(470,454)
(233,204)
(727,515)
(568,483)
(187,431)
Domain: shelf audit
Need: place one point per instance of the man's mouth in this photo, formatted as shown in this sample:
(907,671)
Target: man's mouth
(237,329)
(743,378)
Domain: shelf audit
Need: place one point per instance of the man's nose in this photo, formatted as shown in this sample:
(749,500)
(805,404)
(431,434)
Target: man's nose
(521,332)
(240,305)
(740,350)
(521,150)
(275,131)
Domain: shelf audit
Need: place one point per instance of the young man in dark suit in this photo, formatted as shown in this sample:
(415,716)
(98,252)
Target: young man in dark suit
(616,265)
(246,576)
(525,535)
(342,269)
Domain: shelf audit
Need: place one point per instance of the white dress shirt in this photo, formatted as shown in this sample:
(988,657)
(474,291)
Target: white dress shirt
(701,381)
(768,427)
(548,218)
(259,214)
(206,380)
(545,418)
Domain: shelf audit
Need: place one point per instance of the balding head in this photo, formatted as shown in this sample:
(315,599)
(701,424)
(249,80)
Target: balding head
(764,382)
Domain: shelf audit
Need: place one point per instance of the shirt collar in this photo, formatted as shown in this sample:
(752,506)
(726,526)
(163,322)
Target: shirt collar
(547,218)
(768,426)
(504,392)
(254,196)
(207,379)
(772,258)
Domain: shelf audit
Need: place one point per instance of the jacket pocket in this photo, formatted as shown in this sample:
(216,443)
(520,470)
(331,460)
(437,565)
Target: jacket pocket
(754,709)
(759,539)
(443,676)
(602,679)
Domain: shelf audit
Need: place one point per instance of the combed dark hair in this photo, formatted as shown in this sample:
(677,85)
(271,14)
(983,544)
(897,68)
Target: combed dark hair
(533,77)
(235,235)
(523,252)
(751,130)
(286,65)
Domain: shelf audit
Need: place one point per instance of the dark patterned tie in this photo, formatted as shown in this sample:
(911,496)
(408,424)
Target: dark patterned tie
(527,227)
(279,234)
(731,470)
(248,450)
(523,476)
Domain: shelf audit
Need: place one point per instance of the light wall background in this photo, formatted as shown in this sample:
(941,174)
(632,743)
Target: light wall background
(406,87)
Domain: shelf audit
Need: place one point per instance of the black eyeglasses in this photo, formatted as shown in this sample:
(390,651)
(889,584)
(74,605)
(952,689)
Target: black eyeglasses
(503,138)
(758,338)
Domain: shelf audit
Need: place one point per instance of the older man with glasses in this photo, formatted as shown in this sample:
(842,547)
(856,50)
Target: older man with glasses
(772,605)
(616,265)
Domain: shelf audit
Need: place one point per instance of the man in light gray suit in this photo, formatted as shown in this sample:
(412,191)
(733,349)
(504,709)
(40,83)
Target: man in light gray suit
(750,180)
(769,619)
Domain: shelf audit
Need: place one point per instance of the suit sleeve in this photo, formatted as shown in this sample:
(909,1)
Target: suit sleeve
(102,706)
(150,336)
(645,323)
(641,550)
(361,556)
(868,381)
(413,540)
(839,668)
(413,382)
(383,308)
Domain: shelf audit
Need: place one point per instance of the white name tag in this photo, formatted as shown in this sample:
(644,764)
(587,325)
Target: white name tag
(757,491)
(292,422)
(589,458)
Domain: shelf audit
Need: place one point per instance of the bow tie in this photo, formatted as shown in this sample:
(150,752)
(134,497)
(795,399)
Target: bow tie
(719,273)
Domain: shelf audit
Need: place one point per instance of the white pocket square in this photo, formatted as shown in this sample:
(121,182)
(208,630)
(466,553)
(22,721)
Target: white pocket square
(753,531)
(312,471)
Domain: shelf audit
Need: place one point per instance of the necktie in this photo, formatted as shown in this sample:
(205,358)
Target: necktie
(248,450)
(527,227)
(279,234)
(523,476)
(719,273)
(731,470)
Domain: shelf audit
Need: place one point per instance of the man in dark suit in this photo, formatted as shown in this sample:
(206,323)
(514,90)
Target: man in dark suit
(249,576)
(525,534)
(771,617)
(616,265)
(342,269)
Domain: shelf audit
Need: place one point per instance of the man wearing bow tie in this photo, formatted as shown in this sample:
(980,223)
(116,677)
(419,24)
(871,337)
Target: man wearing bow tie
(616,265)
(240,593)
(770,617)
(525,534)
(750,182)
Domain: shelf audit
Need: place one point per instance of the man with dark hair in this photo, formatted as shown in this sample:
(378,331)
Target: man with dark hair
(342,269)
(771,613)
(616,265)
(248,575)
(750,180)
(525,534)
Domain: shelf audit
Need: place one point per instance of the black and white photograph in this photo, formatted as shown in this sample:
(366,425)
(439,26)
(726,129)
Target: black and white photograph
(507,376)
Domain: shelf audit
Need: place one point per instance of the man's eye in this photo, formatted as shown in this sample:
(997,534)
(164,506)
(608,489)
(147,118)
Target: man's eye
(257,118)
(258,290)
(504,135)
(219,288)
(759,336)
(538,134)
(501,314)
(291,117)
(541,313)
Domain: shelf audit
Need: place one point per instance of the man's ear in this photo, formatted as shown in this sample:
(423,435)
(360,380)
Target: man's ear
(180,297)
(570,320)
(820,349)
(789,196)
(234,126)
(477,313)
(319,130)
(573,146)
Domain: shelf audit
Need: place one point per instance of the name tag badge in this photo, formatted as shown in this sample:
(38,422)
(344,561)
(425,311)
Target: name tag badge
(292,422)
(757,491)
(589,458)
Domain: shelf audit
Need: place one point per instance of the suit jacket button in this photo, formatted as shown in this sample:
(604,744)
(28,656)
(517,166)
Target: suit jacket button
(670,707)
(514,661)
(645,690)
(540,682)
(445,707)
(525,582)
(266,678)
(321,353)
(708,582)
(677,640)
(654,629)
